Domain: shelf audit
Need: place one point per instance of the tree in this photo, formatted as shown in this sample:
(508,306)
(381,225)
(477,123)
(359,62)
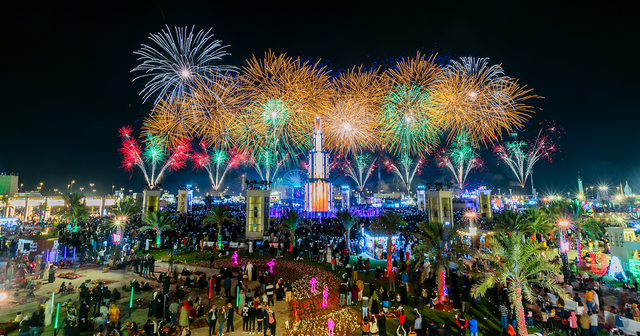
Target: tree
(581,222)
(441,245)
(388,224)
(289,222)
(158,221)
(217,217)
(348,221)
(539,222)
(74,208)
(127,207)
(512,222)
(517,265)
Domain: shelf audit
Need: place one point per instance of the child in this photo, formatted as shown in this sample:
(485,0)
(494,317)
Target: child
(529,318)
(398,299)
(393,301)
(544,317)
(551,321)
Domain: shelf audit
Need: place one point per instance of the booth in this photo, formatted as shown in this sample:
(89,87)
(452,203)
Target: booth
(39,244)
(376,246)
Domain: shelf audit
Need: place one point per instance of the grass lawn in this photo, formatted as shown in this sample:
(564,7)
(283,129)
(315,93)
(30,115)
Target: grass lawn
(485,312)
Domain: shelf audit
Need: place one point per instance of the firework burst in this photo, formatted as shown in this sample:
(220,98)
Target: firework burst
(460,158)
(481,100)
(521,156)
(284,95)
(217,162)
(405,169)
(360,169)
(153,160)
(175,61)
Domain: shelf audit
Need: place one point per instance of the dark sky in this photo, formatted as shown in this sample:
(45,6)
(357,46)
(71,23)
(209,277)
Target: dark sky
(67,85)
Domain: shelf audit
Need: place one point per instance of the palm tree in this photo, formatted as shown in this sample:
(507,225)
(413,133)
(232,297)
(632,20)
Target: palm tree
(74,208)
(290,221)
(581,223)
(512,222)
(440,244)
(539,222)
(348,221)
(158,221)
(388,224)
(517,265)
(217,217)
(127,207)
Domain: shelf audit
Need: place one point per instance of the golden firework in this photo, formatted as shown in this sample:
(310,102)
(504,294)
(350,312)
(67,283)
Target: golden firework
(167,121)
(480,100)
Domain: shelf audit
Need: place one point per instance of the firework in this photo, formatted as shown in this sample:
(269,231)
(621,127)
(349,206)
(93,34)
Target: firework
(175,61)
(521,157)
(153,160)
(460,158)
(168,121)
(405,169)
(284,96)
(360,169)
(217,162)
(481,100)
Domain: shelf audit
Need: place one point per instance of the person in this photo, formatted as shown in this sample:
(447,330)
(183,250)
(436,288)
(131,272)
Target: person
(373,326)
(34,324)
(511,331)
(473,326)
(544,318)
(573,324)
(593,323)
(504,313)
(222,318)
(173,310)
(25,326)
(365,327)
(272,322)
(245,318)
(288,289)
(588,296)
(230,318)
(417,324)
(212,319)
(269,291)
(412,332)
(259,317)
(252,317)
(560,305)
(183,321)
(585,324)
(114,314)
(463,324)
(392,280)
(400,331)
(529,318)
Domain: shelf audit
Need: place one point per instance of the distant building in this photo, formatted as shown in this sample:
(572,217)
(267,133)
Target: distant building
(9,185)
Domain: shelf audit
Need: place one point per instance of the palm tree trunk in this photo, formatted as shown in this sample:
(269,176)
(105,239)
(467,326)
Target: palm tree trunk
(520,322)
(159,239)
(440,281)
(579,247)
(388,254)
(219,235)
(348,241)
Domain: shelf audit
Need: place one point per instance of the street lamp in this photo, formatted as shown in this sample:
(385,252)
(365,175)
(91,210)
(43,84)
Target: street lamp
(71,185)
(91,185)
(564,246)
(471,215)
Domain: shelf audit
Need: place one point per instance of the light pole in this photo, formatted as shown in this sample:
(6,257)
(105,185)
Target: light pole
(564,247)
(71,186)
(91,185)
(113,188)
(471,215)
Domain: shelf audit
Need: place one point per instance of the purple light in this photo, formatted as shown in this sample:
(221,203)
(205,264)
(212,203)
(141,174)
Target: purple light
(74,253)
(46,257)
(65,252)
(271,264)
(235,258)
(325,295)
(330,326)
(313,285)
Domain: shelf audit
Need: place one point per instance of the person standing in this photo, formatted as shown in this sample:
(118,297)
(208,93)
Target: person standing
(222,317)
(463,324)
(173,310)
(288,289)
(392,281)
(212,318)
(230,318)
(272,322)
(593,319)
(252,317)
(245,318)
(259,317)
(473,326)
(269,291)
(504,314)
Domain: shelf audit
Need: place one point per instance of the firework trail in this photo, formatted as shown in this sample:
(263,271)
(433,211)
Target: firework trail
(360,169)
(217,162)
(175,61)
(461,157)
(153,160)
(406,171)
(521,156)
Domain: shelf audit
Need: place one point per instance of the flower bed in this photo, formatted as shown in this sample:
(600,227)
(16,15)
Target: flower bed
(301,288)
(69,276)
(345,323)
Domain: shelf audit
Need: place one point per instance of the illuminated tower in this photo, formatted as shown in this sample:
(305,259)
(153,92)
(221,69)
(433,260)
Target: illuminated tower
(580,188)
(318,190)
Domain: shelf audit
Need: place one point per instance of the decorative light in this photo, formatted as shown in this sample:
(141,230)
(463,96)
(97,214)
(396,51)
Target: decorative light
(313,285)
(325,296)
(564,246)
(271,264)
(594,267)
(235,258)
(615,267)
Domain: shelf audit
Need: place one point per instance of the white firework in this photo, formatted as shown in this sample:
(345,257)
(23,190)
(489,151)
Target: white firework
(176,61)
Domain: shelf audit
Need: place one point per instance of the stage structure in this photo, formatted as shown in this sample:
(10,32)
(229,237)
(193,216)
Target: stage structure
(318,189)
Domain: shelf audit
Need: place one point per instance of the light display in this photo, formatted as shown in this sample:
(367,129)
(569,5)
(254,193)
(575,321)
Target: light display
(603,268)
(325,296)
(565,246)
(234,257)
(330,326)
(460,158)
(312,282)
(271,264)
(318,189)
(634,267)
(615,268)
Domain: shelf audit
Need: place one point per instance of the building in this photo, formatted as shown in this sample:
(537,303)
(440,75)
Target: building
(318,189)
(9,185)
(257,219)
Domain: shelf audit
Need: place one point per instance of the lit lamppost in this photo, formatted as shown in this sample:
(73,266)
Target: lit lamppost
(71,186)
(91,185)
(564,247)
(113,189)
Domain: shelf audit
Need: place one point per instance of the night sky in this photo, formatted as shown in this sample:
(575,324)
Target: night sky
(67,85)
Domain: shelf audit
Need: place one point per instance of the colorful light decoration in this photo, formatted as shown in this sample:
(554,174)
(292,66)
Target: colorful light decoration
(46,257)
(209,288)
(74,253)
(318,190)
(313,285)
(634,267)
(615,267)
(441,287)
(117,238)
(55,326)
(330,325)
(238,296)
(65,252)
(565,246)
(594,267)
(131,299)
(271,264)
(325,296)
(235,257)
